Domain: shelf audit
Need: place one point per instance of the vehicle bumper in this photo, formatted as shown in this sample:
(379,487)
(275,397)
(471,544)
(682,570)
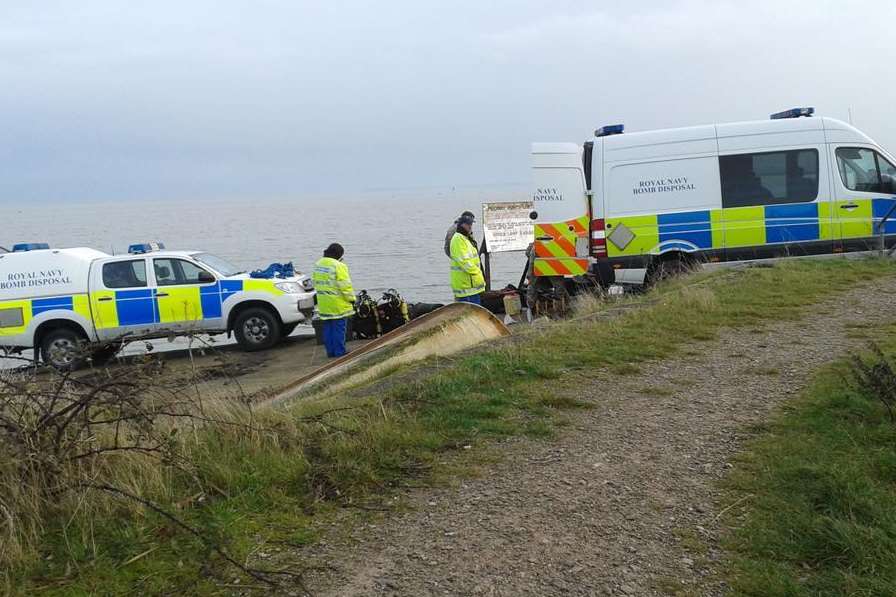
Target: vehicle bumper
(621,270)
(294,308)
(604,272)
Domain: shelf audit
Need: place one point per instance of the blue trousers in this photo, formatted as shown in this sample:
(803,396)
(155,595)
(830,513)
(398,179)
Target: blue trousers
(474,299)
(334,337)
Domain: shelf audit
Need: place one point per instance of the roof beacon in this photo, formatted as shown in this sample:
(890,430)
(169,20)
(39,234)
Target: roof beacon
(22,247)
(142,248)
(794,113)
(612,129)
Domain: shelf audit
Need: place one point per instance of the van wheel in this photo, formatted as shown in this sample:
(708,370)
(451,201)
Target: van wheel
(257,329)
(63,349)
(670,267)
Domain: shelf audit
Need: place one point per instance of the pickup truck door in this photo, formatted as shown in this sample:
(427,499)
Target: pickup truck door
(121,300)
(188,297)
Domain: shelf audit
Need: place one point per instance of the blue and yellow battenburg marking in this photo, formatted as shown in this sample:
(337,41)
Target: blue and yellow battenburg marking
(170,303)
(118,308)
(752,226)
(28,309)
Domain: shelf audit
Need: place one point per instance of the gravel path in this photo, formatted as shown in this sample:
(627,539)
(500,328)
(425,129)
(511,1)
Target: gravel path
(612,506)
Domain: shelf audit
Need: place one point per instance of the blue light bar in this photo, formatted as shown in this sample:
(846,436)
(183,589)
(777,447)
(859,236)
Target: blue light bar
(793,113)
(22,247)
(612,129)
(142,248)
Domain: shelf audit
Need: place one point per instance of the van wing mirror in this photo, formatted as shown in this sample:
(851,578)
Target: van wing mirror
(888,182)
(205,277)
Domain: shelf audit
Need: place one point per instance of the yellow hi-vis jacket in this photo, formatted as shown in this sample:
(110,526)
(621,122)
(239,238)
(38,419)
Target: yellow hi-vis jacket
(466,276)
(335,295)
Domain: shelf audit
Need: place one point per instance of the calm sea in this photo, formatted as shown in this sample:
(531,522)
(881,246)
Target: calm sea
(391,241)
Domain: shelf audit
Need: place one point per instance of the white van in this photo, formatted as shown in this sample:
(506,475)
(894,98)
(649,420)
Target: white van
(56,300)
(622,205)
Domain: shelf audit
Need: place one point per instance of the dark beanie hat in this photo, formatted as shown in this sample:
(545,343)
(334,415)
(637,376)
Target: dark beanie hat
(466,218)
(334,251)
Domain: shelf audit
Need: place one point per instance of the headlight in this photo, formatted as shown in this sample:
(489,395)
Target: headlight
(288,287)
(307,284)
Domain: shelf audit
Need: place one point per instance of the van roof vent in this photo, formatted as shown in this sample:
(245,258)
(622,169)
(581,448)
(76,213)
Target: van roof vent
(611,129)
(22,247)
(793,113)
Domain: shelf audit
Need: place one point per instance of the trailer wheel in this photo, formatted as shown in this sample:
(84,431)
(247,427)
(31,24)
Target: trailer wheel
(257,328)
(63,349)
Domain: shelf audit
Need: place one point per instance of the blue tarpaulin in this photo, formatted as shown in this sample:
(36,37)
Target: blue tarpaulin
(275,270)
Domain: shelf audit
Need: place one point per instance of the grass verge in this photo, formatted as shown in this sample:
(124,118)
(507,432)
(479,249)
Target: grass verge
(256,493)
(819,494)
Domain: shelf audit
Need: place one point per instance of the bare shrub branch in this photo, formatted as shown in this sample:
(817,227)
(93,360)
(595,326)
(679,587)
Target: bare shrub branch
(876,378)
(121,432)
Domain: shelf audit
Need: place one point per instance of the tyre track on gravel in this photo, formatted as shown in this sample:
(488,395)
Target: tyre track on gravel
(602,508)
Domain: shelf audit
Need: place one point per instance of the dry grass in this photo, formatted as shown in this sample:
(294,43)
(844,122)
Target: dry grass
(237,474)
(75,453)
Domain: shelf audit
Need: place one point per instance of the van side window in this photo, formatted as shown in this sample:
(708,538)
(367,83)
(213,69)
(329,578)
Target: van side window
(887,174)
(865,170)
(125,274)
(12,318)
(886,168)
(769,178)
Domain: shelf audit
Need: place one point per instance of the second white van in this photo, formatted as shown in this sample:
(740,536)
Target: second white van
(622,205)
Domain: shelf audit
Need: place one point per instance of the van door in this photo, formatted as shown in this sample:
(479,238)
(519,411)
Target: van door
(561,211)
(188,297)
(864,193)
(121,299)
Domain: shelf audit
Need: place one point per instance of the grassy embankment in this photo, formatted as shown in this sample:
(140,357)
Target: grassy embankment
(819,492)
(261,490)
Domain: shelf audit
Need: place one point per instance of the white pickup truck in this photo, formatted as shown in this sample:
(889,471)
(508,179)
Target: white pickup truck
(56,301)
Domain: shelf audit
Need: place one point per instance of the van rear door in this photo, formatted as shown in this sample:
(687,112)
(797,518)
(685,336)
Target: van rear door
(561,210)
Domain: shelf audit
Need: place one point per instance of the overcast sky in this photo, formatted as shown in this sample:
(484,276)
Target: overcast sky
(104,99)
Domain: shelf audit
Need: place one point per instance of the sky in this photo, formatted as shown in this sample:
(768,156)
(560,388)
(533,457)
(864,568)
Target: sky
(174,100)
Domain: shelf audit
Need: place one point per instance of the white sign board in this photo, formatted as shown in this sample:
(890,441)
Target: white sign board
(507,226)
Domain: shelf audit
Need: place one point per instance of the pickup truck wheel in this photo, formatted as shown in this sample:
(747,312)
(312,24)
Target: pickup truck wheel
(63,349)
(257,329)
(105,354)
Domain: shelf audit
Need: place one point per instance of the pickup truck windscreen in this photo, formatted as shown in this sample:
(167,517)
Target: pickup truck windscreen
(222,266)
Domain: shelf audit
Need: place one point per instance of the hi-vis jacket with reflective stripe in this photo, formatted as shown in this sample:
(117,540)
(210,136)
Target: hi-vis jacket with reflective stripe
(466,276)
(335,295)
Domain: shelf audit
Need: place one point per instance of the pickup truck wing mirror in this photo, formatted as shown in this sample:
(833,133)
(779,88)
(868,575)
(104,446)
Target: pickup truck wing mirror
(205,277)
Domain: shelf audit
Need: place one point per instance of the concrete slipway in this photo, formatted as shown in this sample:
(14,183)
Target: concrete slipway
(299,366)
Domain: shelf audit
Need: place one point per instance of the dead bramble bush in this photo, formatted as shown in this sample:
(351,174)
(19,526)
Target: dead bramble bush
(82,446)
